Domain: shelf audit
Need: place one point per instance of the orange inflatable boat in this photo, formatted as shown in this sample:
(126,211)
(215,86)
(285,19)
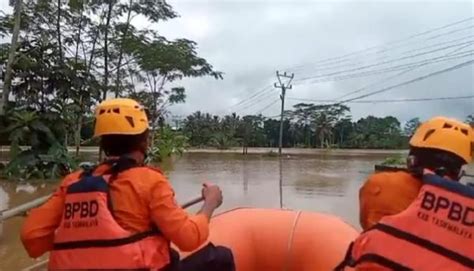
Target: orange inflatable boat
(274,239)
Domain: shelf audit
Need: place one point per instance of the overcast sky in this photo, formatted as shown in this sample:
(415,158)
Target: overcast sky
(249,40)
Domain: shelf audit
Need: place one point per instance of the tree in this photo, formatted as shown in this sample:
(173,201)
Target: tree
(470,120)
(302,115)
(46,157)
(377,133)
(411,126)
(110,6)
(323,119)
(71,54)
(342,131)
(251,131)
(154,11)
(161,62)
(257,131)
(199,128)
(11,57)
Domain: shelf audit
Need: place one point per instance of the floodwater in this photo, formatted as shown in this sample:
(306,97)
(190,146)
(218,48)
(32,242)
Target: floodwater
(324,183)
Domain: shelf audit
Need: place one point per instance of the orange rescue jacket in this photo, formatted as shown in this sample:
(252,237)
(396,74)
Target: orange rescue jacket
(88,236)
(141,197)
(435,232)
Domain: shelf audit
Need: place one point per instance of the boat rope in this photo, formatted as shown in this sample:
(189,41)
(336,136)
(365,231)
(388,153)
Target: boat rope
(286,266)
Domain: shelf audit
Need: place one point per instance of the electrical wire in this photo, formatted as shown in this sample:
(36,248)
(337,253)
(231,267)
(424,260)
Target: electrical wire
(420,78)
(396,75)
(260,95)
(259,92)
(384,46)
(383,62)
(256,102)
(268,106)
(405,67)
(402,53)
(388,100)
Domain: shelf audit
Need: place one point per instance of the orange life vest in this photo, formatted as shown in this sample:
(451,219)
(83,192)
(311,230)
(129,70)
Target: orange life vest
(435,232)
(90,238)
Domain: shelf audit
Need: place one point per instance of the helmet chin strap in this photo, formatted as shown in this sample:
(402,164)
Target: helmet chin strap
(414,167)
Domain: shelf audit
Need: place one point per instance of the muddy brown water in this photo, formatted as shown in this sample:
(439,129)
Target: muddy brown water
(324,183)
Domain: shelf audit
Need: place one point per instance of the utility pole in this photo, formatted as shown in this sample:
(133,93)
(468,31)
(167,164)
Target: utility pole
(283,88)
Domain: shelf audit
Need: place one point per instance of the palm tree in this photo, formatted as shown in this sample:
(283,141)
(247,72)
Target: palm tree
(470,120)
(323,128)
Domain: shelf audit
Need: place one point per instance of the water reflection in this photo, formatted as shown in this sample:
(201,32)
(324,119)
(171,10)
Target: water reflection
(12,254)
(245,175)
(4,198)
(280,184)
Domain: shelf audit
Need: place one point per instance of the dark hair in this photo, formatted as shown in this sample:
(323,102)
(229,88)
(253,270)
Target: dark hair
(118,145)
(435,159)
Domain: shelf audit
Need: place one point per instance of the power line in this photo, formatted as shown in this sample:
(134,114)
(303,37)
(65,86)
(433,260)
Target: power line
(420,78)
(256,101)
(384,62)
(252,100)
(383,47)
(267,106)
(252,96)
(396,75)
(365,50)
(402,53)
(407,68)
(451,32)
(258,97)
(388,100)
(404,67)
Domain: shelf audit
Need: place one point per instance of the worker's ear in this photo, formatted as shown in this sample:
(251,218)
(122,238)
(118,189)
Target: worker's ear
(412,162)
(462,172)
(144,144)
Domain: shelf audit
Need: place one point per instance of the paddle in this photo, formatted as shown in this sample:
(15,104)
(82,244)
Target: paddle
(192,202)
(41,265)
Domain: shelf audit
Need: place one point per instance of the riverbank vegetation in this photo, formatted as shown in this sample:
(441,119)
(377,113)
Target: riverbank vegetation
(305,126)
(69,56)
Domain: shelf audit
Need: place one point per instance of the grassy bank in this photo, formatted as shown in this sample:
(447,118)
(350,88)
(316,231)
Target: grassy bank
(4,150)
(298,151)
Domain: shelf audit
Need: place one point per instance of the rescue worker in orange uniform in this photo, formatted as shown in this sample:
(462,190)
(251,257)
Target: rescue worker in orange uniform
(422,219)
(122,214)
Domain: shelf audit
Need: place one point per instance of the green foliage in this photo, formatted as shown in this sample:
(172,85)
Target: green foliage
(199,128)
(271,154)
(394,161)
(45,158)
(70,55)
(307,125)
(322,119)
(470,119)
(411,126)
(377,133)
(162,61)
(166,143)
(223,141)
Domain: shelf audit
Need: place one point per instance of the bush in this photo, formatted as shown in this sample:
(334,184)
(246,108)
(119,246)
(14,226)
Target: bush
(394,161)
(166,143)
(45,158)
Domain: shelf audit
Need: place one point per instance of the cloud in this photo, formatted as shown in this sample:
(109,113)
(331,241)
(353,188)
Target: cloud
(250,40)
